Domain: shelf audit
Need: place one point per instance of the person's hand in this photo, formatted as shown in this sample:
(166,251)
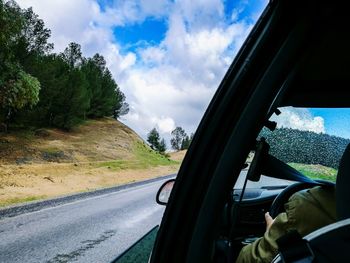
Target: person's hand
(269,221)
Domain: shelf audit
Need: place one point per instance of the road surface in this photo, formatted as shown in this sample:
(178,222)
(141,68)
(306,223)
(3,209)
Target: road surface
(95,229)
(90,230)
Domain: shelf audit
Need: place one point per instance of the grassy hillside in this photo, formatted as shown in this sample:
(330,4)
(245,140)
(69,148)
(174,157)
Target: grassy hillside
(295,146)
(37,164)
(95,140)
(316,171)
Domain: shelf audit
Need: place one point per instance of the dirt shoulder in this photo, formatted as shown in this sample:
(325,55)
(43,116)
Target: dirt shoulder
(41,181)
(178,156)
(47,163)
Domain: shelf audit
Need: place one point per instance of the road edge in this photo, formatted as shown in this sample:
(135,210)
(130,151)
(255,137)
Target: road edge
(15,210)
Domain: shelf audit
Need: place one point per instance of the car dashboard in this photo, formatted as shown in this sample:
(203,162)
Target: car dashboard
(243,220)
(248,214)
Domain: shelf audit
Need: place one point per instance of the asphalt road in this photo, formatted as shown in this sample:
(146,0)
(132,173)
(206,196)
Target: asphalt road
(95,229)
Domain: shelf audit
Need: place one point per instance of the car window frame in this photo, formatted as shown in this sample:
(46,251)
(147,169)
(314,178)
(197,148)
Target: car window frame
(195,180)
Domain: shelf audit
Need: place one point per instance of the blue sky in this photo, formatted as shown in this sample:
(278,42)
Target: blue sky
(336,121)
(168,57)
(152,30)
(140,35)
(329,121)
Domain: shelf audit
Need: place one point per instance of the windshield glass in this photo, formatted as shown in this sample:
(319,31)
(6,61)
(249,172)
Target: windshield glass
(310,140)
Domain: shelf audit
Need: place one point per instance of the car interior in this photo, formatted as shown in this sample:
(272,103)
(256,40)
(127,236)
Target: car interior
(243,218)
(297,55)
(318,79)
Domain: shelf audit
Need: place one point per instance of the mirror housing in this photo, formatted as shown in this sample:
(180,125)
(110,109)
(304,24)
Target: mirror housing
(164,192)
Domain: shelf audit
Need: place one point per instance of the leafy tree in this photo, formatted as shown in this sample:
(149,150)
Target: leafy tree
(25,36)
(51,70)
(16,93)
(20,34)
(33,39)
(185,143)
(20,92)
(11,24)
(179,135)
(71,86)
(35,33)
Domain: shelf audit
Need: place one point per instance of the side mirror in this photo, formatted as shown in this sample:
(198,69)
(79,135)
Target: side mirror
(164,192)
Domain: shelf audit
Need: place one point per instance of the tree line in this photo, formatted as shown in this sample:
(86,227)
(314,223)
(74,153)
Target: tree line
(179,141)
(41,88)
(295,146)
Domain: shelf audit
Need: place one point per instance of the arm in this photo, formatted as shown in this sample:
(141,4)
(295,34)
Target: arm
(306,211)
(265,248)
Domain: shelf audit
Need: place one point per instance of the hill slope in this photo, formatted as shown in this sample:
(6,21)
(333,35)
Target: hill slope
(295,146)
(50,162)
(95,140)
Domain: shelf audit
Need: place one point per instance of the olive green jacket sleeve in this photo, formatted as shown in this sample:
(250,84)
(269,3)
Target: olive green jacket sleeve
(306,211)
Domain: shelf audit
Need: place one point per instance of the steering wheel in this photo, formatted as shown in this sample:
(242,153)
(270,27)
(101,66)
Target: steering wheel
(277,206)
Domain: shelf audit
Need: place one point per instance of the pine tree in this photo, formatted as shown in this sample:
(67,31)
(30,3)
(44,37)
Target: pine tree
(162,146)
(153,139)
(157,144)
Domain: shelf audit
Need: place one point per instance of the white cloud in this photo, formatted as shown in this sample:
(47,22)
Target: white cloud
(68,20)
(165,124)
(180,75)
(202,13)
(124,12)
(81,21)
(300,119)
(152,55)
(156,95)
(168,84)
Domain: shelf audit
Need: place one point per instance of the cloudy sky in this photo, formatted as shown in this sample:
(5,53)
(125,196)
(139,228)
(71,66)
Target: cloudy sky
(168,57)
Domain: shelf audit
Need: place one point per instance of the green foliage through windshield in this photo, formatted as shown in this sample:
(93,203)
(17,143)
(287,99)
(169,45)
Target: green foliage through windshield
(316,171)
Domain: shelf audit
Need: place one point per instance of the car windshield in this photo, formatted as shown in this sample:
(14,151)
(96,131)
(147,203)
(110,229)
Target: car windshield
(311,140)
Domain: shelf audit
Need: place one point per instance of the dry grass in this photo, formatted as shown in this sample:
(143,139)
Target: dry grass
(38,181)
(96,140)
(97,154)
(178,156)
